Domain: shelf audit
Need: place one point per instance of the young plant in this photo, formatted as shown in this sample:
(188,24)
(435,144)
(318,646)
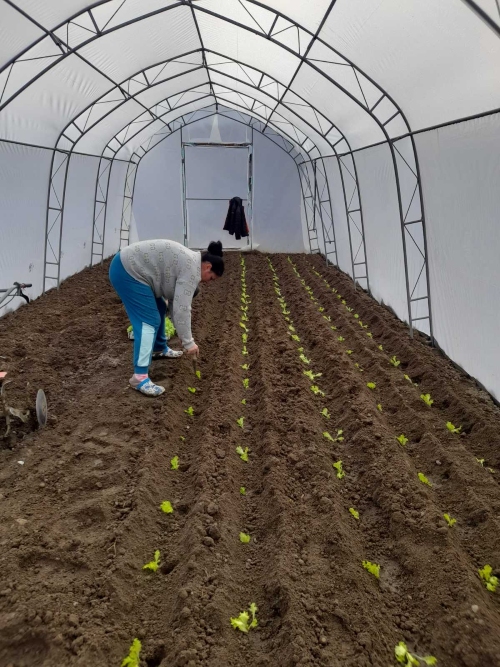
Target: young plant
(246,383)
(356,316)
(198,375)
(244,351)
(174,463)
(327,318)
(192,390)
(379,407)
(242,453)
(244,338)
(341,339)
(245,538)
(295,338)
(404,657)
(372,568)
(369,334)
(451,522)
(244,327)
(190,411)
(424,479)
(154,564)
(304,359)
(312,376)
(402,440)
(132,659)
(316,390)
(354,513)
(394,361)
(242,621)
(427,399)
(371,385)
(166,507)
(339,469)
(243,491)
(452,428)
(380,347)
(244,401)
(349,351)
(349,309)
(325,413)
(241,422)
(245,367)
(490,582)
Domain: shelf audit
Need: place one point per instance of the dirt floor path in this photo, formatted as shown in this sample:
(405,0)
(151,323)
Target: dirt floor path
(81,515)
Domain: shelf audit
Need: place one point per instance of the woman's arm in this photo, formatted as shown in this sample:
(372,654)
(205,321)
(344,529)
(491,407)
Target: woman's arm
(181,311)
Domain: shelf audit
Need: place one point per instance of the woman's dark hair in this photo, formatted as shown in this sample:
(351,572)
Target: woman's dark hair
(215,248)
(216,261)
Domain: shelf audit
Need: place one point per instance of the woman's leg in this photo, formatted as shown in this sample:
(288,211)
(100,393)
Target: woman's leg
(161,349)
(140,304)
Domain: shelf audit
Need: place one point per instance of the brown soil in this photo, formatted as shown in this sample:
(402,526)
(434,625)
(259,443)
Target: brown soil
(82,516)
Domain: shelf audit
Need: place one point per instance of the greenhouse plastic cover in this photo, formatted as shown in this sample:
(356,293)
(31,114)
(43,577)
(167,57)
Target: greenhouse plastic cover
(374,128)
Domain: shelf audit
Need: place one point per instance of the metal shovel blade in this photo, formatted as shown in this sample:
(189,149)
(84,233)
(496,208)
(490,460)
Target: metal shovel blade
(41,408)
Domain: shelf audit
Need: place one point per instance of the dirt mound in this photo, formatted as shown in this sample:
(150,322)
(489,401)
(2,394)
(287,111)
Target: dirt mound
(81,515)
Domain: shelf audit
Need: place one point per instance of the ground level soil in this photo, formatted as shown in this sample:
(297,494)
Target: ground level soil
(80,516)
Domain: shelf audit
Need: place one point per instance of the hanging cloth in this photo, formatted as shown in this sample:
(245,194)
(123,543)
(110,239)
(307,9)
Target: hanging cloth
(236,223)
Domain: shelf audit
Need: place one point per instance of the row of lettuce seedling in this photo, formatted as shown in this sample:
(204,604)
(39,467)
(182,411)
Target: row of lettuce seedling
(401,652)
(486,573)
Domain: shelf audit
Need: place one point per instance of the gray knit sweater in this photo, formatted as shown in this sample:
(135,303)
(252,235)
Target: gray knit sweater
(172,271)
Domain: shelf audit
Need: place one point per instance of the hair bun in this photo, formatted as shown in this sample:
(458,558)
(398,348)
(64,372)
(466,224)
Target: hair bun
(215,248)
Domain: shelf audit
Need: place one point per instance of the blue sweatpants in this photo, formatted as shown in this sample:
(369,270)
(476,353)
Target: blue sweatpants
(146,314)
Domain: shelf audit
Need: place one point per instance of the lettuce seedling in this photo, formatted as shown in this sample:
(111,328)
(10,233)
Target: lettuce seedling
(245,367)
(349,309)
(244,351)
(244,401)
(328,436)
(341,339)
(311,375)
(174,463)
(333,328)
(380,347)
(372,568)
(394,361)
(356,316)
(321,309)
(371,385)
(242,621)
(339,469)
(451,522)
(316,390)
(295,338)
(291,328)
(361,370)
(325,413)
(402,440)
(243,491)
(379,407)
(182,438)
(132,659)
(241,422)
(369,334)
(354,512)
(246,383)
(244,327)
(343,302)
(154,564)
(404,657)
(166,507)
(192,390)
(490,582)
(349,351)
(452,428)
(423,479)
(243,453)
(245,538)
(198,375)
(244,338)
(304,359)
(190,411)
(327,318)
(427,399)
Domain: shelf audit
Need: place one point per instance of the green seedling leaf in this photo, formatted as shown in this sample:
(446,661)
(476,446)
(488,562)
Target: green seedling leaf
(304,359)
(327,318)
(359,368)
(244,338)
(321,309)
(327,436)
(291,328)
(349,309)
(490,581)
(341,339)
(246,383)
(380,347)
(339,469)
(402,440)
(343,302)
(333,328)
(354,513)
(166,507)
(192,390)
(242,453)
(371,385)
(372,568)
(451,522)
(404,657)
(243,491)
(198,375)
(244,327)
(174,463)
(452,428)
(244,351)
(379,407)
(349,351)
(295,338)
(408,378)
(132,659)
(182,438)
(395,361)
(369,334)
(427,399)
(424,479)
(154,564)
(325,413)
(190,411)
(481,462)
(316,390)
(244,318)
(242,622)
(244,401)
(356,316)
(241,422)
(244,538)
(245,367)
(311,375)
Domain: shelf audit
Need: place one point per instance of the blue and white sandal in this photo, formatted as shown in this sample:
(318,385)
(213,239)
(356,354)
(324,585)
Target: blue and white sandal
(168,354)
(148,388)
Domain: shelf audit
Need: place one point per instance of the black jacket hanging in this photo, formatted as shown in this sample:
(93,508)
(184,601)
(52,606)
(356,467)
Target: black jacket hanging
(236,222)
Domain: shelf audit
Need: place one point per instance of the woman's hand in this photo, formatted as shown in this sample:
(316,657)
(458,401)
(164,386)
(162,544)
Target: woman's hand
(194,350)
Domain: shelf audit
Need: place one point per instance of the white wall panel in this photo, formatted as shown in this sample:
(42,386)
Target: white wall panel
(114,208)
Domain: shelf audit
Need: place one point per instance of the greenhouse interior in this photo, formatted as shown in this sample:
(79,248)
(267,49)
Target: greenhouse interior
(303,197)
